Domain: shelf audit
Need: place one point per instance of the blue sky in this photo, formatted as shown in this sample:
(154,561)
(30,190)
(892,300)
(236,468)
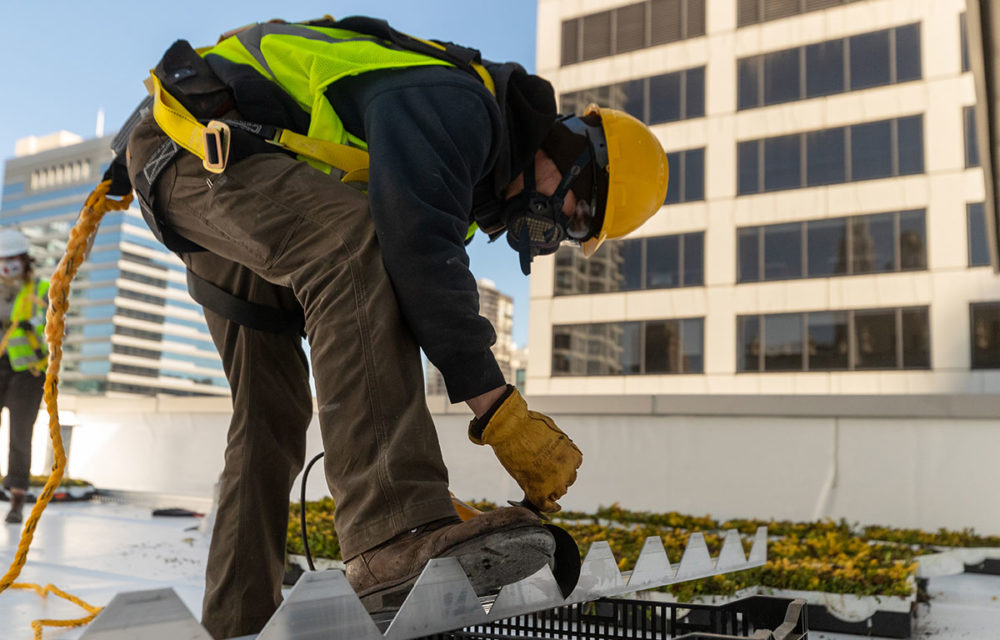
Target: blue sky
(64,60)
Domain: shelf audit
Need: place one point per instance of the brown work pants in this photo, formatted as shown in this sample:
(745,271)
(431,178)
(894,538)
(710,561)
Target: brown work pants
(270,221)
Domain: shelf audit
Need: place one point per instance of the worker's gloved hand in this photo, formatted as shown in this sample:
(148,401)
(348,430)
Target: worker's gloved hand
(26,326)
(533,450)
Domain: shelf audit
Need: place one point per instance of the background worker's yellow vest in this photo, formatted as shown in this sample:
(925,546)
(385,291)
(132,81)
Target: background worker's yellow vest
(305,60)
(22,349)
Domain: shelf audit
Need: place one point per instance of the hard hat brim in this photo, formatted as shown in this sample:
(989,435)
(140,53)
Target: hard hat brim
(591,246)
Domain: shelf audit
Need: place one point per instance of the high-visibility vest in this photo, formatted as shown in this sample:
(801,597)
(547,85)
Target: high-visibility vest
(304,60)
(26,349)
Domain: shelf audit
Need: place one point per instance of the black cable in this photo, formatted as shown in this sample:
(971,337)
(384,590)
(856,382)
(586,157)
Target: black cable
(302,510)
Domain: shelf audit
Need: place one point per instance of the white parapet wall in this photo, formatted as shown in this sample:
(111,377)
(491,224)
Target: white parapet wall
(912,461)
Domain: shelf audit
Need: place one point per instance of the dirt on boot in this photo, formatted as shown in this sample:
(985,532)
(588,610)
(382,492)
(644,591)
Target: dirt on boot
(496,548)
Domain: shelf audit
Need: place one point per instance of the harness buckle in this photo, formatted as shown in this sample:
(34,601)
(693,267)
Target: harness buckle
(215,139)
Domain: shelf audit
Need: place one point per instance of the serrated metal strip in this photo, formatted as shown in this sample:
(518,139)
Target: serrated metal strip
(323,605)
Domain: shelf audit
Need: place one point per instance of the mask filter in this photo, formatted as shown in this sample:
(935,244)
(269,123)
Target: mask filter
(532,230)
(536,225)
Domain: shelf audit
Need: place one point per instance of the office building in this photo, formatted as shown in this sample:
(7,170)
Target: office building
(823,231)
(132,328)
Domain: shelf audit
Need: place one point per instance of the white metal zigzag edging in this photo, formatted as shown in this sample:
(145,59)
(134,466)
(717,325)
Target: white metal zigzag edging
(442,598)
(323,605)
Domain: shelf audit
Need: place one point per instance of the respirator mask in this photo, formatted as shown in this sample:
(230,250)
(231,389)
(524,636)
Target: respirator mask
(536,223)
(11,270)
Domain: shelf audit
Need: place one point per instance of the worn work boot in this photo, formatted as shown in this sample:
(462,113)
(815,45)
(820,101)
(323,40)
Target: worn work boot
(496,548)
(16,504)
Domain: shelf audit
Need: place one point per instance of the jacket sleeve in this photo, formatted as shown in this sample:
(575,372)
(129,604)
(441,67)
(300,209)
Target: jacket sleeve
(429,145)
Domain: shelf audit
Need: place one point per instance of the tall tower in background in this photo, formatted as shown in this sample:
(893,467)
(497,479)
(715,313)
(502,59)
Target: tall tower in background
(132,327)
(498,308)
(823,231)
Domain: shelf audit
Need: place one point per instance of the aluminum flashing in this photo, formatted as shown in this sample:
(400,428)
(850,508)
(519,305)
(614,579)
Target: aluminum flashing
(320,601)
(322,604)
(154,614)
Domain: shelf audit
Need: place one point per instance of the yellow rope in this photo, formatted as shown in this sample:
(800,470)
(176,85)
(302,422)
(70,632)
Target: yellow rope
(80,239)
(38,625)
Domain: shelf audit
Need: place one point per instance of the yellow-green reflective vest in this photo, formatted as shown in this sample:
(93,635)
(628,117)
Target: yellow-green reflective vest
(305,60)
(25,350)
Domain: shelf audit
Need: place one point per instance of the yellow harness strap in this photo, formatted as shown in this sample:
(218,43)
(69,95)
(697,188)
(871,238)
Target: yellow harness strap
(211,142)
(480,70)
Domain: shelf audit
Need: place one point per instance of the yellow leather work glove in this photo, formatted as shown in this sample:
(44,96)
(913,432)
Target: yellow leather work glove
(533,450)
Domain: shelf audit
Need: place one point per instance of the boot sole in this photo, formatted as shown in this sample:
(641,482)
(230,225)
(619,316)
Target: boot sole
(490,562)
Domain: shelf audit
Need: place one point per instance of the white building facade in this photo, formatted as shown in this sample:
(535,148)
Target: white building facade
(132,328)
(823,233)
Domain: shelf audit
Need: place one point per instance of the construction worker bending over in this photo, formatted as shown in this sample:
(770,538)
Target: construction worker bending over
(375,260)
(23,357)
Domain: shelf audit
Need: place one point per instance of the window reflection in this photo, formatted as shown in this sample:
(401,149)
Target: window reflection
(748,343)
(828,341)
(870,65)
(979,250)
(873,243)
(873,59)
(652,347)
(783,251)
(827,247)
(783,342)
(841,340)
(878,150)
(632,264)
(985,335)
(875,340)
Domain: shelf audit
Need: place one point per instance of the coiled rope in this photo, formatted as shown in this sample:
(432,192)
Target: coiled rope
(81,238)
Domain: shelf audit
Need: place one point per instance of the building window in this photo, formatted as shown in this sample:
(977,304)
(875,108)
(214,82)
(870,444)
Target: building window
(963,34)
(826,157)
(979,250)
(127,350)
(877,150)
(596,40)
(755,11)
(131,332)
(687,176)
(971,139)
(834,340)
(649,347)
(826,68)
(632,27)
(142,297)
(144,279)
(60,175)
(658,262)
(664,98)
(782,251)
(125,312)
(873,243)
(985,318)
(870,63)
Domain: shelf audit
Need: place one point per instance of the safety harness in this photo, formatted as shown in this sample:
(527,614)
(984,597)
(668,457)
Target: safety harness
(219,142)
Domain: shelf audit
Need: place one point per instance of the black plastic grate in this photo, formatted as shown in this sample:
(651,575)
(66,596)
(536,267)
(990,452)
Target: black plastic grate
(614,619)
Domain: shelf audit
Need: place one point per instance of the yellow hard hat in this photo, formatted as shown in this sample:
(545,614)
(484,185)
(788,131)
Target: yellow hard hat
(637,176)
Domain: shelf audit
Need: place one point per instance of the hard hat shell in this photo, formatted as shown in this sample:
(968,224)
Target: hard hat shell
(637,175)
(13,243)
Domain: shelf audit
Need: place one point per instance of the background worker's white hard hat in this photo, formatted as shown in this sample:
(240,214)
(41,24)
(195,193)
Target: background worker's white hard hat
(13,243)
